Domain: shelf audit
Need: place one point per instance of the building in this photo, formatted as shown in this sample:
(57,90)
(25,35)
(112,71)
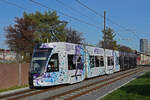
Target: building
(144,45)
(7,56)
(148,47)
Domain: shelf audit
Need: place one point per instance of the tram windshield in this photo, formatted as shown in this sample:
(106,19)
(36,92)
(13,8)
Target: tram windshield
(39,59)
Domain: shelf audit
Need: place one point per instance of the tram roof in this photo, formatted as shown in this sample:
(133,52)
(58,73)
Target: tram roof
(143,53)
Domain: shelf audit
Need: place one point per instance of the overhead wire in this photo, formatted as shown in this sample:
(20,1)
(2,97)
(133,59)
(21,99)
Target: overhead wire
(78,1)
(84,5)
(71,17)
(74,18)
(122,27)
(14,4)
(127,39)
(73,9)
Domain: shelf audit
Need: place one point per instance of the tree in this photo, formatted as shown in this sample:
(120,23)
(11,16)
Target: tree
(110,43)
(124,48)
(34,28)
(20,37)
(48,26)
(73,36)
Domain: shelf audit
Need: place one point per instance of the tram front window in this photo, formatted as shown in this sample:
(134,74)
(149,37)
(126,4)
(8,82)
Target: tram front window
(39,59)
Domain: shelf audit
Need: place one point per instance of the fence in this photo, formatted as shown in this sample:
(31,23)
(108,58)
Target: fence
(13,75)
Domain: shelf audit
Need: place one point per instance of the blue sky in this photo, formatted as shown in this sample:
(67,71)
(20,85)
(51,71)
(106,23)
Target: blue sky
(132,14)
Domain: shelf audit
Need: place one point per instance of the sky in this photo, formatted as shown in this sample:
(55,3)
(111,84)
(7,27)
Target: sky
(128,18)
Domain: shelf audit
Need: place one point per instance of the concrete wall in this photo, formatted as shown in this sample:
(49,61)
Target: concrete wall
(12,75)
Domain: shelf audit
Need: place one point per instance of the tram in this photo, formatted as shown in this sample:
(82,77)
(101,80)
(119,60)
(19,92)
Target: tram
(66,63)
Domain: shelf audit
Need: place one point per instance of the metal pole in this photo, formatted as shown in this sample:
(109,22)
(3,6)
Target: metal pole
(104,30)
(19,74)
(104,45)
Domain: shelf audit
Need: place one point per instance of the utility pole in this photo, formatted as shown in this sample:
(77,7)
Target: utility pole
(105,41)
(104,30)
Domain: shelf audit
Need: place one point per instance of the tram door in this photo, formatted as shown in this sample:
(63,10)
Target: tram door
(109,62)
(116,61)
(76,70)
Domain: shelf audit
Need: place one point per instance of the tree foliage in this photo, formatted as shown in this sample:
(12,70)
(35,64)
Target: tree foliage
(124,48)
(47,27)
(20,37)
(72,36)
(34,28)
(110,43)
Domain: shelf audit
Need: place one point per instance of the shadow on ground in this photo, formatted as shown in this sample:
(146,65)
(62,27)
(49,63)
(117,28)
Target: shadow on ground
(143,90)
(140,89)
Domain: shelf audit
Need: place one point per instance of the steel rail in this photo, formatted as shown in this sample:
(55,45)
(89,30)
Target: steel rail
(92,84)
(57,87)
(100,86)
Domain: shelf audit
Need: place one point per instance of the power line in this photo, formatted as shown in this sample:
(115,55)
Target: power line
(129,40)
(107,19)
(128,30)
(122,38)
(79,20)
(18,6)
(89,8)
(82,4)
(74,18)
(71,8)
(14,4)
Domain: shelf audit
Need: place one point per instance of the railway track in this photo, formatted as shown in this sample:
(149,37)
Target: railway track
(69,95)
(76,92)
(28,92)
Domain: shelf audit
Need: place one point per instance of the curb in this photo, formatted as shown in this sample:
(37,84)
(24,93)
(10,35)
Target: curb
(13,91)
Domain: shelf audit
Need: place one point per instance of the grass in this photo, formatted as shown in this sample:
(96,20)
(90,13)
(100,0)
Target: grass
(138,89)
(13,88)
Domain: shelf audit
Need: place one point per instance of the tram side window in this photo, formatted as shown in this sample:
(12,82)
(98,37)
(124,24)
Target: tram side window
(92,61)
(112,60)
(97,61)
(79,63)
(71,64)
(53,65)
(108,61)
(126,60)
(130,61)
(101,61)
